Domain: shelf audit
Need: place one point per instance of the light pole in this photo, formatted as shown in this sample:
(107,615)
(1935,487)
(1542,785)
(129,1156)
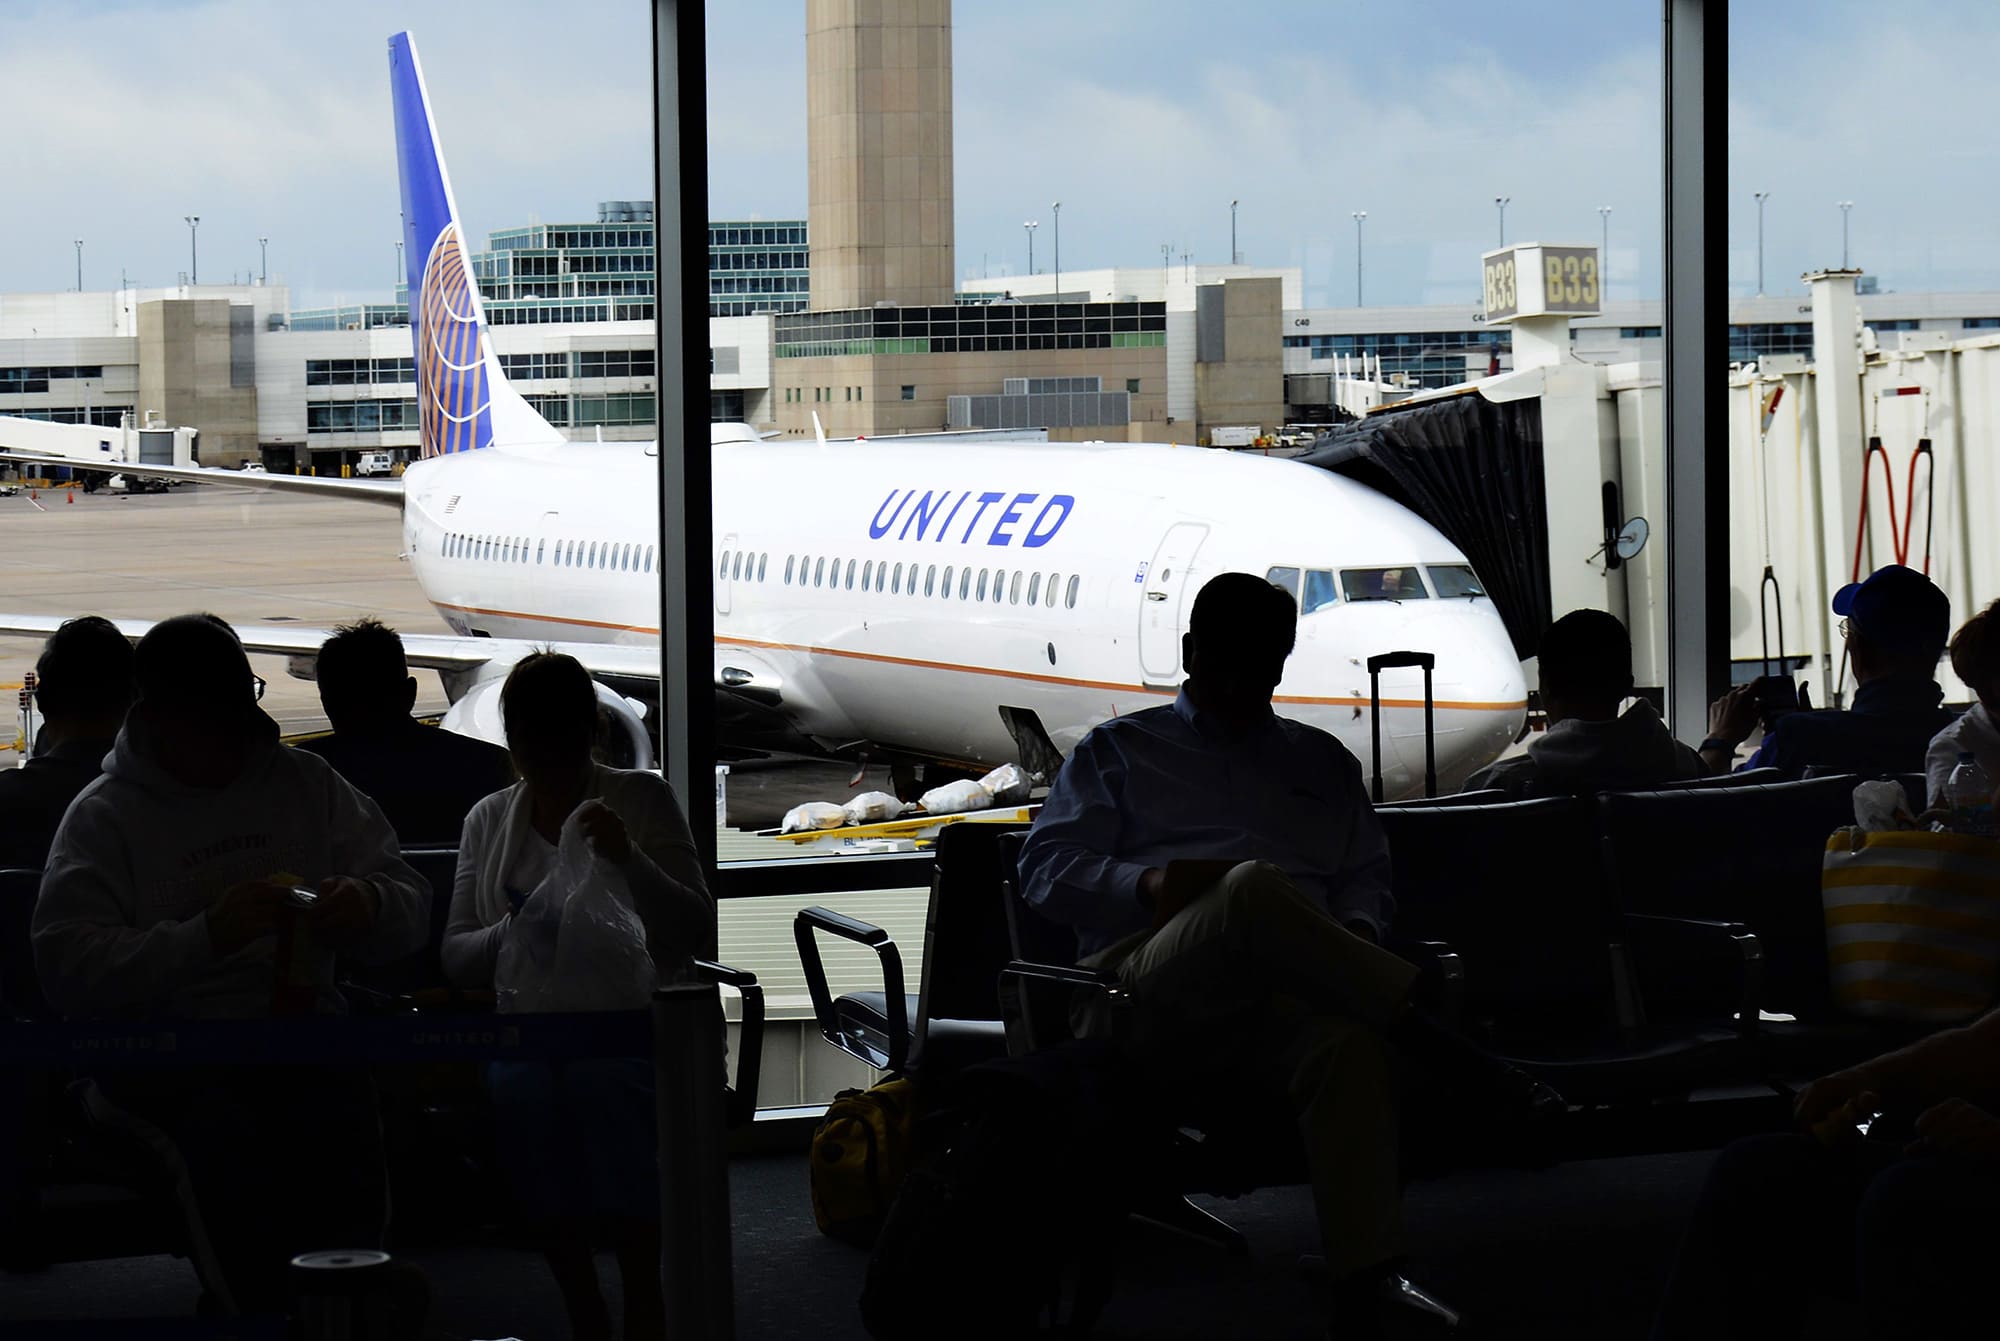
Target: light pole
(1845,206)
(1762,196)
(399,263)
(263,260)
(79,265)
(1500,203)
(1030,225)
(1055,212)
(1166,254)
(1235,256)
(1359,215)
(194,258)
(1604,251)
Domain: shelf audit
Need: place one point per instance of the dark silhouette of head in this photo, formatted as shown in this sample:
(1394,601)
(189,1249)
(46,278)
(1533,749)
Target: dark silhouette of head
(365,683)
(1239,633)
(1975,655)
(1586,666)
(197,700)
(549,708)
(84,680)
(1898,621)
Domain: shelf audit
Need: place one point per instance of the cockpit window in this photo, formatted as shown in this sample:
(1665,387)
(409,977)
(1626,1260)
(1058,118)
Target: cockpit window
(1456,579)
(1286,579)
(1383,584)
(1320,591)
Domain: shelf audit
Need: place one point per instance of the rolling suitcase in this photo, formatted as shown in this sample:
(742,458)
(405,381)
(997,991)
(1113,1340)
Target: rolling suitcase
(1388,661)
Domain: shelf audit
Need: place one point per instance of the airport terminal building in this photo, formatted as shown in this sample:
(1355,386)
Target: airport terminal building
(1143,353)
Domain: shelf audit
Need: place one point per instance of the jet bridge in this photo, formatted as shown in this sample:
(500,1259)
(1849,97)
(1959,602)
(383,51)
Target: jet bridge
(96,447)
(1549,477)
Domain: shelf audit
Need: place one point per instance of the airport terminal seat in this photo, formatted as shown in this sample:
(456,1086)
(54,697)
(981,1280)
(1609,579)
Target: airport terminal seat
(1751,854)
(1749,777)
(67,1193)
(1619,1012)
(1484,796)
(953,1019)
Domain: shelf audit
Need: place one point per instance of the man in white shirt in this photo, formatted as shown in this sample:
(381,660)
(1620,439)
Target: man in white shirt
(1226,864)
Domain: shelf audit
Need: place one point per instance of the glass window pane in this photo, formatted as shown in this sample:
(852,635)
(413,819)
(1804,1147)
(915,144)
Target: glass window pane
(1287,578)
(1455,579)
(1069,598)
(1383,584)
(1320,591)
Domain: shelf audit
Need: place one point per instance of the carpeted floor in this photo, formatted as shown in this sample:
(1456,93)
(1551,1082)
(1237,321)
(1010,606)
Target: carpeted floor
(1579,1251)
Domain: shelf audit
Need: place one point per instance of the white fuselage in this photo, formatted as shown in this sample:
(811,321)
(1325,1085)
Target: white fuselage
(847,583)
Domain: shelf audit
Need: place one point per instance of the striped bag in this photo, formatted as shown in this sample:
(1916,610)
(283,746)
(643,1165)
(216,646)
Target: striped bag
(1912,924)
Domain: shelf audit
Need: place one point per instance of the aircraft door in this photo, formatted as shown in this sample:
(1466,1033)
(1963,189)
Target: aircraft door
(1165,593)
(726,557)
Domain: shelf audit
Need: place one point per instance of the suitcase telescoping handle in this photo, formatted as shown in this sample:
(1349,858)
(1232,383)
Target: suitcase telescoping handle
(1391,660)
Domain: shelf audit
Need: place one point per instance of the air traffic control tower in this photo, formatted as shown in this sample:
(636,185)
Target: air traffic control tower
(878,146)
(887,346)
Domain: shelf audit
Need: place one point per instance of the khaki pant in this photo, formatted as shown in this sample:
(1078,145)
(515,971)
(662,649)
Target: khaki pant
(1253,983)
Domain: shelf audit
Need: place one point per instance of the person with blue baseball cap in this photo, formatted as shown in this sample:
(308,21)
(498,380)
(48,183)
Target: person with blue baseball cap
(1896,624)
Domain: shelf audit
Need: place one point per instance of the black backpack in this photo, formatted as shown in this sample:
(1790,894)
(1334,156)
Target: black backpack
(1024,1212)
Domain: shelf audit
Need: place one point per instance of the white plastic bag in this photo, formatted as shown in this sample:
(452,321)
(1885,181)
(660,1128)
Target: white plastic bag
(811,816)
(1882,807)
(954,797)
(1009,784)
(872,808)
(577,943)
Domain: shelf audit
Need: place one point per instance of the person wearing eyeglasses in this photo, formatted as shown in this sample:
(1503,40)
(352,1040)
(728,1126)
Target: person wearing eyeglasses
(1895,625)
(211,873)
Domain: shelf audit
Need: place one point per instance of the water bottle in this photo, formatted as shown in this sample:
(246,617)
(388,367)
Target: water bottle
(1969,796)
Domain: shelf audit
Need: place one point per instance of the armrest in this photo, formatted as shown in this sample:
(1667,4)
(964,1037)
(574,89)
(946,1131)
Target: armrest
(1677,957)
(805,929)
(1440,985)
(1097,980)
(1040,1019)
(750,1041)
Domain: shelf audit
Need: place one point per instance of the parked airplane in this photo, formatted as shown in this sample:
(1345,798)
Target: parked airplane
(955,604)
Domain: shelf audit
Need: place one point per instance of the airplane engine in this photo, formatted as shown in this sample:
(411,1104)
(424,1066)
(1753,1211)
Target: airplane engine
(624,739)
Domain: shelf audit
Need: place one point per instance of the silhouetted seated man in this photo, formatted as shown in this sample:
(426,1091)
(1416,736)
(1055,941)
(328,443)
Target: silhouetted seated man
(84,686)
(1225,862)
(1902,1216)
(1896,624)
(1975,656)
(426,779)
(169,891)
(1586,672)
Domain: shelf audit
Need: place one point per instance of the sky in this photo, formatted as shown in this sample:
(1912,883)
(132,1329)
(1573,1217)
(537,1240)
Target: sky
(1144,117)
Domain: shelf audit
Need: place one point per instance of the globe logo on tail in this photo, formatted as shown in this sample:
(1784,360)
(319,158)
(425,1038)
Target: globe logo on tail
(454,401)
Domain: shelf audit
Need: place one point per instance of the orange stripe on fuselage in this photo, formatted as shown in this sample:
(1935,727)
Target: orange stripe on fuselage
(922,664)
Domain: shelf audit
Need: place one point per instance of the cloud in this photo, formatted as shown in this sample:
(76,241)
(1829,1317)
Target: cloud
(1145,117)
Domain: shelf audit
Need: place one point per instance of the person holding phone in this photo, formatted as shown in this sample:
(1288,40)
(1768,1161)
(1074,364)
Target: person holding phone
(1208,849)
(1885,1191)
(1895,624)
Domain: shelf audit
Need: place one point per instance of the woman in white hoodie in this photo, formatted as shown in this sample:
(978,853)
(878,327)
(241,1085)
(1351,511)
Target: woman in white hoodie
(578,1137)
(1975,656)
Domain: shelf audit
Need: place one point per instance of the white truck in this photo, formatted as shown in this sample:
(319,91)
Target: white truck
(375,463)
(1235,435)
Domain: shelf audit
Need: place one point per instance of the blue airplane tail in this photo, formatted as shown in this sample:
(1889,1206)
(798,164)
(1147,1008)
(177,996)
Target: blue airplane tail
(463,399)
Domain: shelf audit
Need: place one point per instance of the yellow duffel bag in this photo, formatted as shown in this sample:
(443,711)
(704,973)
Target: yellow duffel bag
(1912,924)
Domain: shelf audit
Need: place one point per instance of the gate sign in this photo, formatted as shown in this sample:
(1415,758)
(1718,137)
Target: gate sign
(1532,279)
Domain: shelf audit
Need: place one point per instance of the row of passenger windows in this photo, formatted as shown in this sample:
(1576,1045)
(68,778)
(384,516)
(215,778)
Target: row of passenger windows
(1016,587)
(606,554)
(1317,588)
